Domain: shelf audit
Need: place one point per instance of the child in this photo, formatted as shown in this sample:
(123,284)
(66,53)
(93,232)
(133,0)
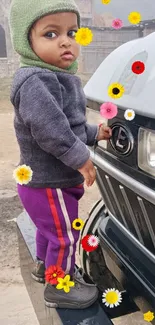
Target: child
(53,135)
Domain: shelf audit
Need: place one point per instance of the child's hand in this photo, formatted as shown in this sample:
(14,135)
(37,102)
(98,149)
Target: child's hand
(89,172)
(105,133)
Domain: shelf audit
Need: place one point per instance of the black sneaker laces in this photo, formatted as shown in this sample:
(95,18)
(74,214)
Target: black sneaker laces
(79,280)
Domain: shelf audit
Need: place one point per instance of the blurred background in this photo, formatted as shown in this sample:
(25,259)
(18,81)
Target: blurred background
(99,18)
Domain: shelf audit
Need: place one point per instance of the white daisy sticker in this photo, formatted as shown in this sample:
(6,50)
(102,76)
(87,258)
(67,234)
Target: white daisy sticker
(112,298)
(129,114)
(93,241)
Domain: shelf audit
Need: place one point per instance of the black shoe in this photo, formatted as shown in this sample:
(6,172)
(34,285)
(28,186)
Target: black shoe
(81,296)
(38,273)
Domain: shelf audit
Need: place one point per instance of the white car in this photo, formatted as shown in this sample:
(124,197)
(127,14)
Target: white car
(124,219)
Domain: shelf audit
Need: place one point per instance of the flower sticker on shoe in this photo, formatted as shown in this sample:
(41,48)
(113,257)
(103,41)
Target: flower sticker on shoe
(108,110)
(84,36)
(129,114)
(112,298)
(117,23)
(78,224)
(116,90)
(134,17)
(53,273)
(138,67)
(23,175)
(149,316)
(65,284)
(93,241)
(85,244)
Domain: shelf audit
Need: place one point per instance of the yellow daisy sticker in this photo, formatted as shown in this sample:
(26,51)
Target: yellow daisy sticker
(105,2)
(23,174)
(134,17)
(116,90)
(148,317)
(129,114)
(65,284)
(84,36)
(78,224)
(112,298)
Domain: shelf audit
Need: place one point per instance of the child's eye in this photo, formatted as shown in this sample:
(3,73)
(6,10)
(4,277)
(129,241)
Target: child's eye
(72,33)
(50,35)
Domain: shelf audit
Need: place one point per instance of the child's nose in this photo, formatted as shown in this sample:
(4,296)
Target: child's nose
(65,41)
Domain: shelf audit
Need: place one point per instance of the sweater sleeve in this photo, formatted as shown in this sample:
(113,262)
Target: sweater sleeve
(41,111)
(92,133)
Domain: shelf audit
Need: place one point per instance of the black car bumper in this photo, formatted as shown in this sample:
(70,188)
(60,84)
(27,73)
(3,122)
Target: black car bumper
(128,234)
(128,261)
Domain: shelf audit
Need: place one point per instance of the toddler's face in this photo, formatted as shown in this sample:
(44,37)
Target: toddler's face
(52,38)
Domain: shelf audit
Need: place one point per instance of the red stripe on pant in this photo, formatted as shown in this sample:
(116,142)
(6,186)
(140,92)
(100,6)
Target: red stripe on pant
(57,225)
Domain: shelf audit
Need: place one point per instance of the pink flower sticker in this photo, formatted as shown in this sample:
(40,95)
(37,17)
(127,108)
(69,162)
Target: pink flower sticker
(117,23)
(93,241)
(108,110)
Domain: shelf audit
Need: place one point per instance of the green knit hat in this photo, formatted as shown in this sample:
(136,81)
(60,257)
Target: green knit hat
(23,14)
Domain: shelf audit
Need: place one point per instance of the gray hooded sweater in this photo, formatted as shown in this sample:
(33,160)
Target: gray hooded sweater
(51,127)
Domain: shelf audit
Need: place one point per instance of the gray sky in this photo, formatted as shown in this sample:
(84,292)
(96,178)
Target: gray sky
(121,8)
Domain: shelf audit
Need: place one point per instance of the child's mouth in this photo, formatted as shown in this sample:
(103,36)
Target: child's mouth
(67,55)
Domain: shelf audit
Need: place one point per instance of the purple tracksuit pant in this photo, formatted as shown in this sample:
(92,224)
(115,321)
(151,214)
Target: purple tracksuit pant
(53,211)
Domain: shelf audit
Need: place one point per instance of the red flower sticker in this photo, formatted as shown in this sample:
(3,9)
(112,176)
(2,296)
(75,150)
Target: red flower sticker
(138,67)
(53,273)
(85,244)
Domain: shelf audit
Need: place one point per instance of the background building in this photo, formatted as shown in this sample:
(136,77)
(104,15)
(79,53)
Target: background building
(105,38)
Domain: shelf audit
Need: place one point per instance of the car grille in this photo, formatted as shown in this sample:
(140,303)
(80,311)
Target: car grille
(135,213)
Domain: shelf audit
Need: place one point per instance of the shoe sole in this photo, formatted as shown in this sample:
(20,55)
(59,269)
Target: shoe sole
(68,305)
(37,279)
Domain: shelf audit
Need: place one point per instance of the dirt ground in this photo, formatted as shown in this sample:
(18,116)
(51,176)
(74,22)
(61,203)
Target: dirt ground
(15,306)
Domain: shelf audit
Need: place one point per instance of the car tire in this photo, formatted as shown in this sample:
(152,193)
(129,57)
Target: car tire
(93,263)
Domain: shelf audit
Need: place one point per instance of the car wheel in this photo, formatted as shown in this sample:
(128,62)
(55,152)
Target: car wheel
(93,263)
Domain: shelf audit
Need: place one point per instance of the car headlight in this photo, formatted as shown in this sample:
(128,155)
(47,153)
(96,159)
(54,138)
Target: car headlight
(146,150)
